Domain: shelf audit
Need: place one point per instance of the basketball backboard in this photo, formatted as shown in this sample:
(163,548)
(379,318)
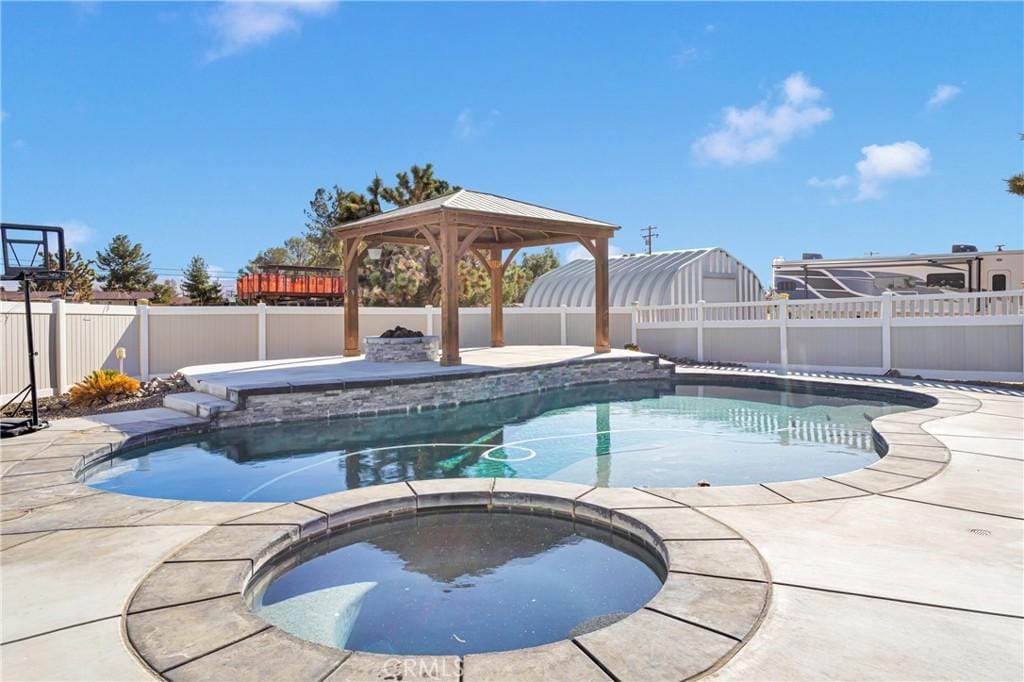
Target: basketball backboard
(32,252)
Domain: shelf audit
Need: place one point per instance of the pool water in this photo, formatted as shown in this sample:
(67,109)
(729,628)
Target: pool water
(458,583)
(628,434)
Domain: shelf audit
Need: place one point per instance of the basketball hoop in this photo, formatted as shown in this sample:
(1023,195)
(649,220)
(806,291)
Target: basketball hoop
(31,253)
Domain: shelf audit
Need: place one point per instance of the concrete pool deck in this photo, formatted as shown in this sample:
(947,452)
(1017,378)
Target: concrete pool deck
(910,569)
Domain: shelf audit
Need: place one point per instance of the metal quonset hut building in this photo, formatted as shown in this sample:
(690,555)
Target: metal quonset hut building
(665,278)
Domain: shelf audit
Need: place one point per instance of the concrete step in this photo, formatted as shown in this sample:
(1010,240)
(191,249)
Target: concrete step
(198,404)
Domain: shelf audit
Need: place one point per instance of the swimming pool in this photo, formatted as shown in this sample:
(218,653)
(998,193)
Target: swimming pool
(626,434)
(458,583)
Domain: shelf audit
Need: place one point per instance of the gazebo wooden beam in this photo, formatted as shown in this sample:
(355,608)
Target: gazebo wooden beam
(352,259)
(449,294)
(497,298)
(602,336)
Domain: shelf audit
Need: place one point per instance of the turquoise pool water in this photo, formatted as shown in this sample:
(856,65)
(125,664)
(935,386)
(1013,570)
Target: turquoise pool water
(627,434)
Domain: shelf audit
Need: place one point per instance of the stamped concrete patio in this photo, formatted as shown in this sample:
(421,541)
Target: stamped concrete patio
(910,569)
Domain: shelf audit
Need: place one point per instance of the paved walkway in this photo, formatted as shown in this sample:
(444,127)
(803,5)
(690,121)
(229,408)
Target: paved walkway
(923,580)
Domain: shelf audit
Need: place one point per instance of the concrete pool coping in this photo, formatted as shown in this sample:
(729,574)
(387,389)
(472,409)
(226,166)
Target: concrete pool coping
(829,545)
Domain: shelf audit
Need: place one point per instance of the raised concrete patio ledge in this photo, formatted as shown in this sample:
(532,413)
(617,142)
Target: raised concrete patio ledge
(310,388)
(189,620)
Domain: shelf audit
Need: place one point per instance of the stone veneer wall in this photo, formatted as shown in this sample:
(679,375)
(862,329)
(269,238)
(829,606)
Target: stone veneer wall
(416,349)
(430,393)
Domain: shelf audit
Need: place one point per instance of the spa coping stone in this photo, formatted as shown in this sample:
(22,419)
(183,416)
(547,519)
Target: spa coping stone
(738,604)
(628,651)
(173,584)
(226,550)
(717,558)
(366,666)
(289,657)
(350,506)
(538,496)
(452,492)
(309,521)
(172,636)
(563,660)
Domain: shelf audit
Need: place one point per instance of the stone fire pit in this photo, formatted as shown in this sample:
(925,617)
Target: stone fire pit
(402,345)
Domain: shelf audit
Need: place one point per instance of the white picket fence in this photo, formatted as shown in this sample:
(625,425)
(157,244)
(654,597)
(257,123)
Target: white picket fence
(962,336)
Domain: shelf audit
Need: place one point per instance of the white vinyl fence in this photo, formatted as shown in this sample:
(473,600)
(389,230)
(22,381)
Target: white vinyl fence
(953,336)
(962,336)
(73,339)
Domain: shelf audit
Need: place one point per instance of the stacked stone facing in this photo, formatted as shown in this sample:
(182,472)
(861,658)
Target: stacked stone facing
(410,349)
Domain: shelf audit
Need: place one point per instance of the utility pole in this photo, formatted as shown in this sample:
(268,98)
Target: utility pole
(649,235)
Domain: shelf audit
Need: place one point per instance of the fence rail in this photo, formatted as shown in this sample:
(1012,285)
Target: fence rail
(982,304)
(964,336)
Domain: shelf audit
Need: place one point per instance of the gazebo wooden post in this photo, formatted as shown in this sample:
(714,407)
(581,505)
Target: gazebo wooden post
(449,293)
(351,256)
(497,298)
(601,317)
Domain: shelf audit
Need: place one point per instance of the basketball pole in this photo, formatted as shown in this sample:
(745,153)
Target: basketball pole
(31,350)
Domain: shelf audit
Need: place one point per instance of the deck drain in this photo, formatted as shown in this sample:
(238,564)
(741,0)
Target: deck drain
(981,531)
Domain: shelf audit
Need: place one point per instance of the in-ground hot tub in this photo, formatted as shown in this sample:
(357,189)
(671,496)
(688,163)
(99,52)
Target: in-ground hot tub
(402,349)
(458,582)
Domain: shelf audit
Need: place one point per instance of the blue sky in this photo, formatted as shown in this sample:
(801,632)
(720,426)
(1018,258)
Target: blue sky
(767,129)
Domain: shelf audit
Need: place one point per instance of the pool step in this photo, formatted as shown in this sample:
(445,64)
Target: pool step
(196,404)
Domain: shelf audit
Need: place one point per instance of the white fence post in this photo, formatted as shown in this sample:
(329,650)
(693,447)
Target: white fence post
(564,333)
(430,319)
(784,332)
(60,346)
(634,319)
(886,319)
(142,312)
(261,330)
(700,330)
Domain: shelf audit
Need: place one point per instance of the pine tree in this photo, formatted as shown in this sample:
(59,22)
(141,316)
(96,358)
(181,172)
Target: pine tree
(124,266)
(198,285)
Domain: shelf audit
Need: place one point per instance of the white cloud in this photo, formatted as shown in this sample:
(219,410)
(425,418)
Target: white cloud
(239,26)
(76,233)
(579,252)
(837,182)
(883,163)
(469,125)
(3,115)
(710,28)
(747,136)
(685,56)
(942,95)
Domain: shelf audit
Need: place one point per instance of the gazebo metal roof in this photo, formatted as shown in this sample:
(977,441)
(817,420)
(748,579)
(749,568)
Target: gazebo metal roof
(506,222)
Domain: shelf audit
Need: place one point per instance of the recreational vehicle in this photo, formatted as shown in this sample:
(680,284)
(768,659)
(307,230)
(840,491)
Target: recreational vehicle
(964,269)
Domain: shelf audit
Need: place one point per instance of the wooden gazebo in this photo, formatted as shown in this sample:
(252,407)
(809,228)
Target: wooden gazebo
(485,225)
